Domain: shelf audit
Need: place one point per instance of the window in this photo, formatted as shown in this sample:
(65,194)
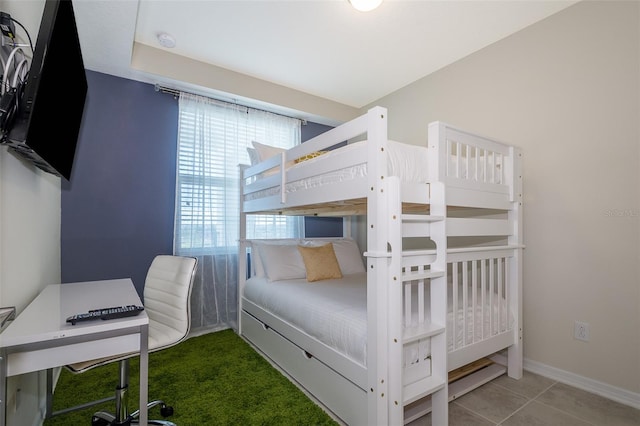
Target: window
(213,138)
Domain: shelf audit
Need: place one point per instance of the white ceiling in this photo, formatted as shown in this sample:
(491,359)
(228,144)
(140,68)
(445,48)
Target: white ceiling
(323,48)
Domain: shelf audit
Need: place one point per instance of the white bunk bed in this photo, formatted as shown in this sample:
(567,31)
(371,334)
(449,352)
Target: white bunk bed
(464,188)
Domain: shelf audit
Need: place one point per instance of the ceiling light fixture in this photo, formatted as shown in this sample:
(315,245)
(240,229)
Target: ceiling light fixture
(166,40)
(365,5)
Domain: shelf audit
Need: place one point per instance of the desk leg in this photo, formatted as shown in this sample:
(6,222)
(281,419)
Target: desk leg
(3,388)
(49,408)
(144,373)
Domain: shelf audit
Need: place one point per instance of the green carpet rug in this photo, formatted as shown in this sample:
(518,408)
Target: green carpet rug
(215,379)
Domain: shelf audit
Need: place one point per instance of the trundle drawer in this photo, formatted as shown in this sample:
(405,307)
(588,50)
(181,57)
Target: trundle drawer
(345,399)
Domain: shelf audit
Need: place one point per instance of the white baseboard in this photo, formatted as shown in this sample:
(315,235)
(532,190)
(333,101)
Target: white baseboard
(614,393)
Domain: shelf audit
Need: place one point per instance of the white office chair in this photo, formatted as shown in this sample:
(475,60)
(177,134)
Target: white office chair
(167,291)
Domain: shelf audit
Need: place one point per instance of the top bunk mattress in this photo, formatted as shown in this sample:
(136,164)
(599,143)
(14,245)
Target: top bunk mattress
(406,161)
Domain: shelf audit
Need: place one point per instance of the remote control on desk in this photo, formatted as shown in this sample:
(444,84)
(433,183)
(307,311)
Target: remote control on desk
(106,313)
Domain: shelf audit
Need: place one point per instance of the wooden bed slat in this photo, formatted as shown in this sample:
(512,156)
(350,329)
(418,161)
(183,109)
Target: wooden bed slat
(465,370)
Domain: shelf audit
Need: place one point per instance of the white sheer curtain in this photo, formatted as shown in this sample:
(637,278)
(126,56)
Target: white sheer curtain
(213,138)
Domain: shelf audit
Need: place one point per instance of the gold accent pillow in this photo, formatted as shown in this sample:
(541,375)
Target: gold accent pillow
(309,156)
(320,262)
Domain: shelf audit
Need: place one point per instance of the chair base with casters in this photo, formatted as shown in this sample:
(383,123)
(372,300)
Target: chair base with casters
(122,416)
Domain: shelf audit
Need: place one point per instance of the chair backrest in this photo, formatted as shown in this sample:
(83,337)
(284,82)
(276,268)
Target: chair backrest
(167,293)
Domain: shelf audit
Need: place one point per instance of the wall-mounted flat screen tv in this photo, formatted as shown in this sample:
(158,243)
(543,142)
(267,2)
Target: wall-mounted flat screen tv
(50,108)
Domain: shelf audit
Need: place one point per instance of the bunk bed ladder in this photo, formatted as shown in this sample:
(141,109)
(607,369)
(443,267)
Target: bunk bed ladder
(418,359)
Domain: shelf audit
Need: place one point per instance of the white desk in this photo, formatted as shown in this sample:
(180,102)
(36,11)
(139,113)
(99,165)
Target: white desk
(40,338)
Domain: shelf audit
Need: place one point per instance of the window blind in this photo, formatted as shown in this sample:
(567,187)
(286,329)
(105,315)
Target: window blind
(213,138)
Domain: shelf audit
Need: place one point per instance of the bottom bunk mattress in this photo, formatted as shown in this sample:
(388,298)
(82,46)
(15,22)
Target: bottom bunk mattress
(335,313)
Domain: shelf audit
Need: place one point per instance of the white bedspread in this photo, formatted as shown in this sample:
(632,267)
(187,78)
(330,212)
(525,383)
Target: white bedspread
(335,313)
(332,311)
(408,162)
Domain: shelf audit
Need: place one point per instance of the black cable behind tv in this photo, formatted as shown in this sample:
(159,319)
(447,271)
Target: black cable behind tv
(49,109)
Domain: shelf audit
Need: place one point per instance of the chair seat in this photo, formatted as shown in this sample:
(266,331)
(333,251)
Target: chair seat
(160,337)
(81,367)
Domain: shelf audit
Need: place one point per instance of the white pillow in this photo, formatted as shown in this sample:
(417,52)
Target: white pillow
(269,260)
(253,156)
(282,262)
(257,267)
(266,151)
(257,270)
(347,252)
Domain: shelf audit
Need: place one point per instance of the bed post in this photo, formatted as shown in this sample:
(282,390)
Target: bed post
(242,248)
(437,147)
(346,227)
(377,265)
(395,284)
(439,352)
(515,351)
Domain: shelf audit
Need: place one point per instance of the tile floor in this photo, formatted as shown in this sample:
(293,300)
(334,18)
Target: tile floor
(535,401)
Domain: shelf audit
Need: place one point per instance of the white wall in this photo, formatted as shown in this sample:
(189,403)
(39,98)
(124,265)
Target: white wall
(245,89)
(566,90)
(29,234)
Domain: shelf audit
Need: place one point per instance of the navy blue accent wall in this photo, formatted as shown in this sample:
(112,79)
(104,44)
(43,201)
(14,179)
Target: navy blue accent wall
(311,130)
(118,208)
(318,227)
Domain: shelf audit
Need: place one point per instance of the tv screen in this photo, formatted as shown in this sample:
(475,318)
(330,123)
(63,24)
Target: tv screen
(50,108)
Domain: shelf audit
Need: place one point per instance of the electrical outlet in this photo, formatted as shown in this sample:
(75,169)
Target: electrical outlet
(581,331)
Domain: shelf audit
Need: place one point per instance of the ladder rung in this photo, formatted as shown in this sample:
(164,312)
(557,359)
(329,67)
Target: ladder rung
(425,218)
(423,387)
(423,275)
(422,331)
(405,253)
(427,252)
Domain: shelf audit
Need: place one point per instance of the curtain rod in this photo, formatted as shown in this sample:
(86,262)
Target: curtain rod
(176,93)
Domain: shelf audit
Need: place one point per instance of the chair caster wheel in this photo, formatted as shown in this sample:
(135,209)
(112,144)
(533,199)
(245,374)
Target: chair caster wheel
(166,410)
(97,421)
